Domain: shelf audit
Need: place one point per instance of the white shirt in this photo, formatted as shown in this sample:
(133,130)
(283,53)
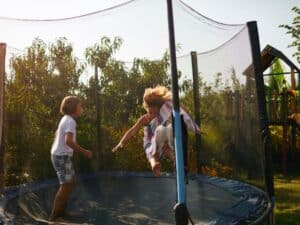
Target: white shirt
(59,146)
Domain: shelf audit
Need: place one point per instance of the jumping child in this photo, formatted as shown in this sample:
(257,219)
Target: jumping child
(157,123)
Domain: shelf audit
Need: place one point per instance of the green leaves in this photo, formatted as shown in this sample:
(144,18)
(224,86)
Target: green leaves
(276,82)
(294,31)
(39,80)
(99,54)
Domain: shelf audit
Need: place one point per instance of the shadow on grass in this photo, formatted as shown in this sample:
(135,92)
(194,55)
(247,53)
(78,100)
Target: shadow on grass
(287,195)
(288,218)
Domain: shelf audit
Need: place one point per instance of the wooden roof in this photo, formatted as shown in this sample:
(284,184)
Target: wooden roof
(268,54)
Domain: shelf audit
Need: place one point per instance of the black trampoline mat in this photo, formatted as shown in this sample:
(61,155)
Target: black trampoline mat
(120,200)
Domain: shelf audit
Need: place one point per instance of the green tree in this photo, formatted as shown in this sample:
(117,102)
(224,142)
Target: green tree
(294,31)
(39,80)
(24,108)
(122,94)
(276,82)
(98,56)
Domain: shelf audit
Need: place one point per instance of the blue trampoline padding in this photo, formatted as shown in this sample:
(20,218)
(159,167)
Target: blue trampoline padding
(120,198)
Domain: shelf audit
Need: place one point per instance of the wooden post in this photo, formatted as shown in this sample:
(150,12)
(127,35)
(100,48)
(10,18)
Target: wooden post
(294,107)
(284,148)
(2,80)
(293,91)
(277,98)
(284,117)
(293,79)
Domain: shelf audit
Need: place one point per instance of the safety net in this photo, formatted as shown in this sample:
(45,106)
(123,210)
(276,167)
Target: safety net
(108,57)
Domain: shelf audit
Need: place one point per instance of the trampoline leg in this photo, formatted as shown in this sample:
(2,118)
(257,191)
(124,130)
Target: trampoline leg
(181,214)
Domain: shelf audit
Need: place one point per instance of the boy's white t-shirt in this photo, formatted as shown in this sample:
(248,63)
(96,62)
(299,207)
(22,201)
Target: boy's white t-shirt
(59,146)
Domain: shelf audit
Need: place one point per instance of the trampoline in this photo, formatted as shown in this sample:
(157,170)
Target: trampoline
(138,198)
(219,72)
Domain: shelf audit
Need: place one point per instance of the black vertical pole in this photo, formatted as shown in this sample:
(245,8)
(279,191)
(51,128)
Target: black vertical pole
(180,209)
(256,59)
(98,120)
(174,74)
(2,92)
(196,106)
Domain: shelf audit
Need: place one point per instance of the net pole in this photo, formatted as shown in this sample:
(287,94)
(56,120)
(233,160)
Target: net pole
(98,120)
(196,106)
(2,82)
(180,207)
(258,73)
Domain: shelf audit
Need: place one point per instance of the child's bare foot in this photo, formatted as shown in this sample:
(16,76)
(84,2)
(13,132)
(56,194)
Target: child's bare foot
(156,169)
(155,165)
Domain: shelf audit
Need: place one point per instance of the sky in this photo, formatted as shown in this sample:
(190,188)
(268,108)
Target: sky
(269,14)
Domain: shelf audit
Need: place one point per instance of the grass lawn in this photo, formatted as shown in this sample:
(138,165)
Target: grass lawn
(287,200)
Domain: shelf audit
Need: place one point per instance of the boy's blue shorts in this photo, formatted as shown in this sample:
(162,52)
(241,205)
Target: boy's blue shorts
(63,167)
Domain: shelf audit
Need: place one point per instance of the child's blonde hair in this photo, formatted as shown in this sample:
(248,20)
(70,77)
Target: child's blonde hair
(156,96)
(69,104)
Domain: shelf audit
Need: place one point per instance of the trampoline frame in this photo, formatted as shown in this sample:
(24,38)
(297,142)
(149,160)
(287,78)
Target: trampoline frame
(222,183)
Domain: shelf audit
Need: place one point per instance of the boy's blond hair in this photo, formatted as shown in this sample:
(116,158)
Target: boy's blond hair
(156,96)
(69,104)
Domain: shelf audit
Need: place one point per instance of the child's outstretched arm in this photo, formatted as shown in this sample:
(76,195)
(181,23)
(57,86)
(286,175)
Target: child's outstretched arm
(69,141)
(132,131)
